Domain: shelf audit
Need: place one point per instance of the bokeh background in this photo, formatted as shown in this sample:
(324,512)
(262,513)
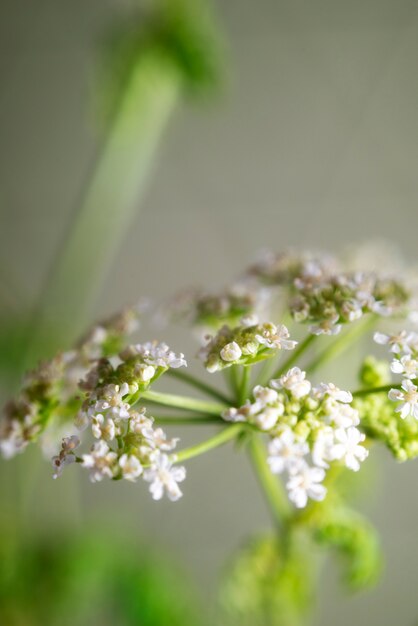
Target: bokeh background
(311,141)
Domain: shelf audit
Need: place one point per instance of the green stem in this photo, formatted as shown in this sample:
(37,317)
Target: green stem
(383,389)
(109,203)
(180,421)
(199,384)
(227,434)
(245,383)
(272,487)
(341,343)
(294,356)
(232,377)
(183,402)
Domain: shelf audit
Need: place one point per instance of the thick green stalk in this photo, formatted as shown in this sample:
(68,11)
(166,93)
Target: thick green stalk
(232,378)
(199,384)
(110,201)
(272,487)
(227,434)
(183,402)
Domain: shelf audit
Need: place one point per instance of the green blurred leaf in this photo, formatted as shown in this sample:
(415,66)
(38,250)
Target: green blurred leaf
(92,579)
(270,584)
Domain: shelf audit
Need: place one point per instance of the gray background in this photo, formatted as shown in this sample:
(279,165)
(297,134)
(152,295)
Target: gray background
(313,142)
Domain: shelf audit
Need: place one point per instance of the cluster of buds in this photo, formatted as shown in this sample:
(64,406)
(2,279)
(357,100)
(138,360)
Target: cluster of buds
(245,344)
(326,296)
(127,444)
(212,310)
(309,428)
(50,391)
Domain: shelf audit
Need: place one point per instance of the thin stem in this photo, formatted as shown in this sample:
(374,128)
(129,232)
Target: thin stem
(199,384)
(272,487)
(343,341)
(294,356)
(383,389)
(227,434)
(183,402)
(233,380)
(179,421)
(245,383)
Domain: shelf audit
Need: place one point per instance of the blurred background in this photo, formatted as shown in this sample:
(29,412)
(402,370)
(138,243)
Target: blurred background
(305,135)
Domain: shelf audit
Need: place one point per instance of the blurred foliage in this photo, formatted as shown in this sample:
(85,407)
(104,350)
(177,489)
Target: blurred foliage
(182,33)
(357,544)
(271,583)
(378,418)
(89,580)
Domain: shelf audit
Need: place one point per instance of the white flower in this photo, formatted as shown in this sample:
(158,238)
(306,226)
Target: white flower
(294,381)
(145,372)
(275,337)
(130,466)
(111,400)
(397,343)
(160,441)
(81,420)
(352,310)
(306,483)
(231,352)
(101,461)
(322,448)
(341,415)
(332,391)
(267,418)
(249,320)
(156,354)
(103,429)
(406,366)
(234,415)
(348,448)
(408,397)
(140,424)
(265,395)
(59,462)
(285,453)
(326,327)
(164,478)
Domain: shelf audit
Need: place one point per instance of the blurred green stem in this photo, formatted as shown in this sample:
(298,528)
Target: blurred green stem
(271,486)
(227,434)
(183,402)
(294,356)
(199,384)
(244,384)
(110,201)
(359,393)
(186,421)
(342,343)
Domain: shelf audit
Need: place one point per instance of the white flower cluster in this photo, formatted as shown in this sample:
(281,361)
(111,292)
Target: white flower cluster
(141,449)
(127,444)
(245,344)
(404,348)
(310,427)
(326,296)
(48,391)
